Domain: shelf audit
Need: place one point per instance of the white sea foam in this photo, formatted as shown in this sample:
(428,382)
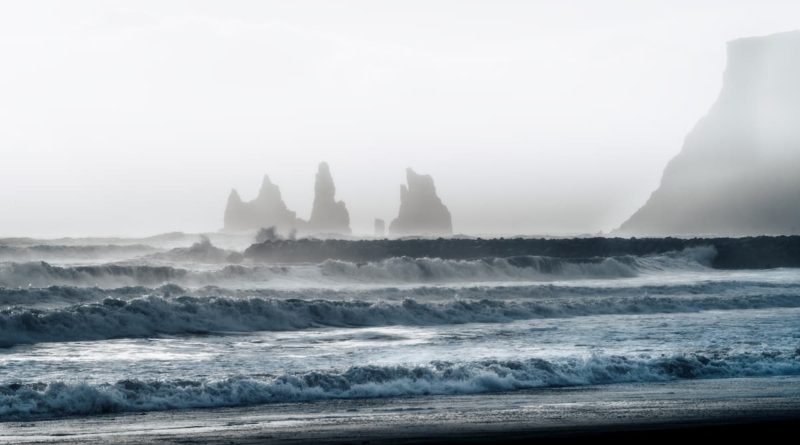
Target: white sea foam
(150,316)
(393,270)
(59,399)
(73,253)
(778,283)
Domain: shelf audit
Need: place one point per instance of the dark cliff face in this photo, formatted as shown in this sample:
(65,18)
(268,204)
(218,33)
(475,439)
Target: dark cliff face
(421,210)
(267,210)
(327,215)
(738,172)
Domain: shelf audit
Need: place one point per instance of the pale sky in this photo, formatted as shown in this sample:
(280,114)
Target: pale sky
(534,117)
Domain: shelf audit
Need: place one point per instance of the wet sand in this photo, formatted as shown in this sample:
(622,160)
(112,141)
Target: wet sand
(682,410)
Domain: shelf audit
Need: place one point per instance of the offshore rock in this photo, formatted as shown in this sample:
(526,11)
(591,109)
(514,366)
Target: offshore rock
(723,253)
(327,215)
(421,210)
(267,210)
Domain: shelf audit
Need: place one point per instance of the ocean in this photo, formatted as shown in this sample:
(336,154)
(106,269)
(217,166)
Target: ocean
(99,332)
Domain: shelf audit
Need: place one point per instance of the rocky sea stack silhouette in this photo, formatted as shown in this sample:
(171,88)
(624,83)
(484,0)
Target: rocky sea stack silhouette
(328,215)
(267,210)
(421,210)
(739,170)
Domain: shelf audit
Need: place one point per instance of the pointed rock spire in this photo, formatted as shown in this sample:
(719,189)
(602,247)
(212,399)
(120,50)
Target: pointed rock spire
(236,212)
(327,214)
(234,198)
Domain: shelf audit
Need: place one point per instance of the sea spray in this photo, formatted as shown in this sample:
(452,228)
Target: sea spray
(25,401)
(393,270)
(152,316)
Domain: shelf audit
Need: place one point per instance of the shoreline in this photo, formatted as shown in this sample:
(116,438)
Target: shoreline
(687,409)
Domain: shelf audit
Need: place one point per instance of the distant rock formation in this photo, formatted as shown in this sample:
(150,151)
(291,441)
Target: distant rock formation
(267,210)
(327,215)
(421,210)
(739,170)
(380,227)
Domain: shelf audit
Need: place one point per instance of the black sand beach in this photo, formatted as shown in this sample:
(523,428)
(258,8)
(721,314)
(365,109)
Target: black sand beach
(762,408)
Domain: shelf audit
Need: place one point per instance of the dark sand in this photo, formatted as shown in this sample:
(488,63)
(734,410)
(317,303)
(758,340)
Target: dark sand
(729,409)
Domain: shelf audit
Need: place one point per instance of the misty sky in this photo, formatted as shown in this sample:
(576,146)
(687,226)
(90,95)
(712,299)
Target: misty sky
(134,118)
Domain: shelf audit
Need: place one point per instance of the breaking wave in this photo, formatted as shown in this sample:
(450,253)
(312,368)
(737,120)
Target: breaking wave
(201,252)
(52,296)
(60,399)
(66,295)
(393,270)
(42,274)
(151,316)
(46,252)
(534,268)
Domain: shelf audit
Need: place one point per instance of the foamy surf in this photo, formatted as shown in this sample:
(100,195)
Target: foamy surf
(60,399)
(779,282)
(152,316)
(393,270)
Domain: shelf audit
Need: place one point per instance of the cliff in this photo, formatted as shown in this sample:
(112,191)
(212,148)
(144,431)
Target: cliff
(421,210)
(737,173)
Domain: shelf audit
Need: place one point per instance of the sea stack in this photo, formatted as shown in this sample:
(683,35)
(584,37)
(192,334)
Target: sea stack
(738,171)
(237,213)
(421,210)
(327,215)
(267,210)
(379,228)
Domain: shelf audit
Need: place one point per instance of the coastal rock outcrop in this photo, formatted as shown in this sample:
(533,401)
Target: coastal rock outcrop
(738,171)
(545,254)
(267,210)
(421,210)
(327,215)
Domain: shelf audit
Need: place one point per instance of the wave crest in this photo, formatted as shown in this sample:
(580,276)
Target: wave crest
(59,399)
(151,316)
(393,270)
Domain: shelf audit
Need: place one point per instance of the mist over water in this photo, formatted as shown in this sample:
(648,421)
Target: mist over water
(230,219)
(137,118)
(144,316)
(735,173)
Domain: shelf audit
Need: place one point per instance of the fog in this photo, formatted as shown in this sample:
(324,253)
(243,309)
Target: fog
(738,170)
(133,118)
